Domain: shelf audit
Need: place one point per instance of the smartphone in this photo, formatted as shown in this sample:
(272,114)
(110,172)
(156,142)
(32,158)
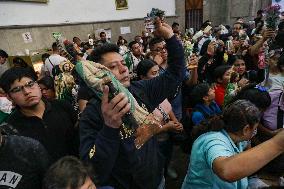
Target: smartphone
(149,20)
(149,24)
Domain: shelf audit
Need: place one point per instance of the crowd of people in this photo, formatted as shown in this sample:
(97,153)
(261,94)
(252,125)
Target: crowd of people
(104,115)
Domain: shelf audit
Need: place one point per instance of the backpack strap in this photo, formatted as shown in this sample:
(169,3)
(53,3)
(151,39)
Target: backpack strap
(51,74)
(50,62)
(280,114)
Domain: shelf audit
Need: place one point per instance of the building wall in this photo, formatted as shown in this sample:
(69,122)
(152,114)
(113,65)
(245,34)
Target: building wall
(11,37)
(74,11)
(226,11)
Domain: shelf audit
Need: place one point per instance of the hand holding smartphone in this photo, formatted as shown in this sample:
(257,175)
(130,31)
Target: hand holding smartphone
(149,20)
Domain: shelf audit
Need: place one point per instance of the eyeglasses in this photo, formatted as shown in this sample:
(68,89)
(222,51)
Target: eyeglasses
(160,49)
(28,85)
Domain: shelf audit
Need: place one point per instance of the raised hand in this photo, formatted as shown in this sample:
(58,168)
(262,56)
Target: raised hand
(162,29)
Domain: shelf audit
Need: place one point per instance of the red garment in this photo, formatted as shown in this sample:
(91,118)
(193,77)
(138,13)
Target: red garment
(219,94)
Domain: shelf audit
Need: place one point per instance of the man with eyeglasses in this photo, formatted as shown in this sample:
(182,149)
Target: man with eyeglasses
(157,46)
(49,122)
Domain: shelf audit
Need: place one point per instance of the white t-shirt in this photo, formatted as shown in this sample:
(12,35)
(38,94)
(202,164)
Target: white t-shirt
(5,105)
(4,67)
(275,82)
(52,61)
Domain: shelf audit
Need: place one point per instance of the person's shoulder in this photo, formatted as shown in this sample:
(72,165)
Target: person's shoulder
(59,105)
(62,58)
(197,117)
(209,139)
(47,61)
(24,143)
(213,136)
(57,57)
(92,110)
(93,106)
(85,92)
(196,114)
(94,102)
(14,116)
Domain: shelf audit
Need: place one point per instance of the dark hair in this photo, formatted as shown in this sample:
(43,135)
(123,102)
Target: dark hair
(119,40)
(96,55)
(259,11)
(137,36)
(131,44)
(239,23)
(73,52)
(281,26)
(237,57)
(13,74)
(47,81)
(279,39)
(204,47)
(45,56)
(18,61)
(260,98)
(154,41)
(86,46)
(3,54)
(205,24)
(228,27)
(54,46)
(234,118)
(74,39)
(234,58)
(102,33)
(175,24)
(280,62)
(68,172)
(259,28)
(220,71)
(144,66)
(199,91)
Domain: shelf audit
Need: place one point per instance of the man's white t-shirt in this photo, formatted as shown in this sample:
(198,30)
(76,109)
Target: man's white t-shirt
(52,61)
(4,67)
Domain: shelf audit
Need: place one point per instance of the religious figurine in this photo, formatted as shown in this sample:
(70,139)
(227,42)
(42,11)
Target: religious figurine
(64,82)
(138,121)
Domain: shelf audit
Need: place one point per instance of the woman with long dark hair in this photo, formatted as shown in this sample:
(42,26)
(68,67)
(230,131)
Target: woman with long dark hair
(252,76)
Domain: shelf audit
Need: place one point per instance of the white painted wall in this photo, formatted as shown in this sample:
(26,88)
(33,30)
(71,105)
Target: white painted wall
(76,11)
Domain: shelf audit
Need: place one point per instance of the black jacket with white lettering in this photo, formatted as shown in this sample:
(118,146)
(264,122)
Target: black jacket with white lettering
(23,162)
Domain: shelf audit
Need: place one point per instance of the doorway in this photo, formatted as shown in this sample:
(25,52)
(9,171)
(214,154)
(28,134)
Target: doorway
(193,14)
